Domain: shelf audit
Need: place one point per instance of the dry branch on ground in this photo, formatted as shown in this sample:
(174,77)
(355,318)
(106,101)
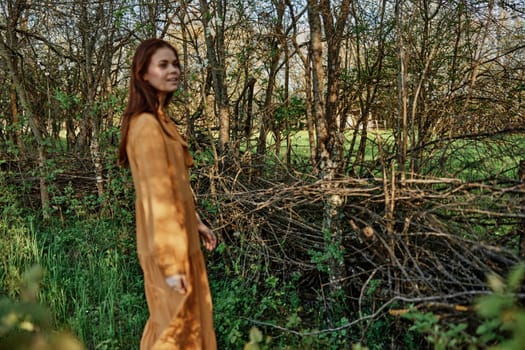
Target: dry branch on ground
(444,237)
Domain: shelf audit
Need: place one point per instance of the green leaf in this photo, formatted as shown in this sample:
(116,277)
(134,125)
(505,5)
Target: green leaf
(488,327)
(256,335)
(251,346)
(31,283)
(293,320)
(495,283)
(516,277)
(456,329)
(492,305)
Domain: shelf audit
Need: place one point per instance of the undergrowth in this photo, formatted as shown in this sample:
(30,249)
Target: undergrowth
(93,286)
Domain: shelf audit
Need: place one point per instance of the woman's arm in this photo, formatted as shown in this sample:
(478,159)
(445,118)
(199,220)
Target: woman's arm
(164,220)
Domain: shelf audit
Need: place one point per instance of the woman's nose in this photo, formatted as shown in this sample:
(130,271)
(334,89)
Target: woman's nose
(175,70)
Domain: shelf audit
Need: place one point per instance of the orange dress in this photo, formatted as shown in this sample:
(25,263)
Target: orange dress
(167,238)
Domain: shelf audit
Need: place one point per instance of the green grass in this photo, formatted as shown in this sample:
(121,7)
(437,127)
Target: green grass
(93,279)
(93,288)
(300,148)
(19,252)
(475,160)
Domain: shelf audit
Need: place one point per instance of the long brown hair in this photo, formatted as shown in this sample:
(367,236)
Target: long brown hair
(142,97)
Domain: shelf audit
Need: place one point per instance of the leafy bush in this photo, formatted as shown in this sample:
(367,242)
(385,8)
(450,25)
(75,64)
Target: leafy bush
(27,325)
(502,320)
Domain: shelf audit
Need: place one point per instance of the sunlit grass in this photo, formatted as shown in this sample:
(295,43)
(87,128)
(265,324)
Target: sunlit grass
(477,160)
(19,251)
(94,288)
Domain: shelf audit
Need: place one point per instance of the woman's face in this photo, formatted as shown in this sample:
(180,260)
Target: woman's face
(163,71)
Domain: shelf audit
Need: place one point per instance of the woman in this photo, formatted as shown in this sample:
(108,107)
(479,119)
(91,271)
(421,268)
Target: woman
(168,226)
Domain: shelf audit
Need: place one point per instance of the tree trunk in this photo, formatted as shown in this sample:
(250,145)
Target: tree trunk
(316,54)
(215,52)
(243,108)
(14,136)
(402,127)
(310,122)
(90,91)
(268,114)
(521,227)
(329,134)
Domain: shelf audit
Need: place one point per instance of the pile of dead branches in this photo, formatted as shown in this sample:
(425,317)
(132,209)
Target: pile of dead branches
(417,240)
(411,239)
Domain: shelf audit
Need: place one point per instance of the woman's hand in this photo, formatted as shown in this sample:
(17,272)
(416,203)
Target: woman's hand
(208,238)
(178,283)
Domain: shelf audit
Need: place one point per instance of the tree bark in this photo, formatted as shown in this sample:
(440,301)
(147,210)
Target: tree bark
(402,127)
(328,132)
(14,136)
(305,59)
(92,76)
(275,49)
(521,227)
(215,54)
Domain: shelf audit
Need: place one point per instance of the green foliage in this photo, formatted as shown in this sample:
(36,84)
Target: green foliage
(257,341)
(332,253)
(70,203)
(17,243)
(501,309)
(502,324)
(27,325)
(103,287)
(244,297)
(237,302)
(442,336)
(66,101)
(290,113)
(92,279)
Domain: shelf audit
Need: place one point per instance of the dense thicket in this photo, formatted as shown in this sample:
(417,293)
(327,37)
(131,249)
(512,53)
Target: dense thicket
(367,152)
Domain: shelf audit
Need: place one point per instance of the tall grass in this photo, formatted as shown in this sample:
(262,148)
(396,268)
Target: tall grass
(92,280)
(93,283)
(19,251)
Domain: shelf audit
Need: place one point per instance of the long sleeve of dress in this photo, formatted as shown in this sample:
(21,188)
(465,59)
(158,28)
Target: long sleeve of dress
(163,211)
